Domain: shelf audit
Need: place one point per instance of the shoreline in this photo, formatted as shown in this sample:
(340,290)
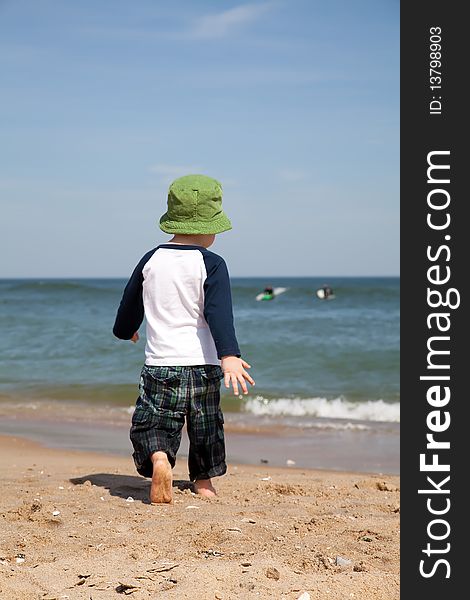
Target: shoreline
(323,444)
(79,525)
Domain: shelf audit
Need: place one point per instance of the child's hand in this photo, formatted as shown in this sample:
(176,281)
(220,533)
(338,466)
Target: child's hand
(234,372)
(135,337)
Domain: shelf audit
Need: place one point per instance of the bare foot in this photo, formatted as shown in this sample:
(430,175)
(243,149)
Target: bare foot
(161,490)
(204,487)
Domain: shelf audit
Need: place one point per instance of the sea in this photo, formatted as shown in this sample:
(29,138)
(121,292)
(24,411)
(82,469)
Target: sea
(317,363)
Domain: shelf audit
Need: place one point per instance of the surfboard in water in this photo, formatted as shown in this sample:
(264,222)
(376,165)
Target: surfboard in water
(321,294)
(276,292)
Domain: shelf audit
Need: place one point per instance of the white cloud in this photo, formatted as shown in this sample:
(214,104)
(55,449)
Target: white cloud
(211,26)
(220,24)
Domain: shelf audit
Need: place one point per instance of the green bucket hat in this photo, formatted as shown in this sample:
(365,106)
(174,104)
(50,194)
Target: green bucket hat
(195,207)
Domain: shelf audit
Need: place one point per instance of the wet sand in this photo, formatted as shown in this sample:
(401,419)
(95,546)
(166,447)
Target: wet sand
(250,439)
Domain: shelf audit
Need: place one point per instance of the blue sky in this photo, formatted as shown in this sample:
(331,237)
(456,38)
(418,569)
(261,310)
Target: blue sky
(292,105)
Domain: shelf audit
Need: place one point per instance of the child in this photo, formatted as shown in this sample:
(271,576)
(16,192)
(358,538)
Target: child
(183,290)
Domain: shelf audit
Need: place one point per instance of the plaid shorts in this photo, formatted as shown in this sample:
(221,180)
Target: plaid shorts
(168,397)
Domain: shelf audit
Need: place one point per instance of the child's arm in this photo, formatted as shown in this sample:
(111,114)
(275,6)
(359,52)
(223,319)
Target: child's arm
(131,310)
(219,316)
(234,373)
(218,306)
(130,313)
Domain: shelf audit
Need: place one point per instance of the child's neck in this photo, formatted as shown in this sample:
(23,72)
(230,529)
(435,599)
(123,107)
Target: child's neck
(193,240)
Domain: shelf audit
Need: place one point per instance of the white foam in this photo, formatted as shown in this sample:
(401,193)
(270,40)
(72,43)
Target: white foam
(339,426)
(339,408)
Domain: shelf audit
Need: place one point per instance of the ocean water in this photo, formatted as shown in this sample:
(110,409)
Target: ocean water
(312,359)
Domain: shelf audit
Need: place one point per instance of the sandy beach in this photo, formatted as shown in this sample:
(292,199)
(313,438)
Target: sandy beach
(78,525)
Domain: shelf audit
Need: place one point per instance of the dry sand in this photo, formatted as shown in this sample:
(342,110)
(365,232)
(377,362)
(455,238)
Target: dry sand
(78,525)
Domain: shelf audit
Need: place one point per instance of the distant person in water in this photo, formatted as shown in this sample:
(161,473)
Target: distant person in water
(268,293)
(327,291)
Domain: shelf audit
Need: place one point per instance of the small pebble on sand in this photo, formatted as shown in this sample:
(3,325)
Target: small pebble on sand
(272,573)
(342,562)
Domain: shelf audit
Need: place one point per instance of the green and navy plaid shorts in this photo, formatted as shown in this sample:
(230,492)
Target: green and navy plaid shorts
(167,397)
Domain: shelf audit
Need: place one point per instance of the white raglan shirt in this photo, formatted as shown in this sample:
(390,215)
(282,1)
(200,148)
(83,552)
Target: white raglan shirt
(184,293)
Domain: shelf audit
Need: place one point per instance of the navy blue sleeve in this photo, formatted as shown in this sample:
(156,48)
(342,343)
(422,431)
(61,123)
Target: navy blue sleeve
(218,305)
(130,313)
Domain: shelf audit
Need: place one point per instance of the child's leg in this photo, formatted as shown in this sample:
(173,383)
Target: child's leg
(156,427)
(161,491)
(206,457)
